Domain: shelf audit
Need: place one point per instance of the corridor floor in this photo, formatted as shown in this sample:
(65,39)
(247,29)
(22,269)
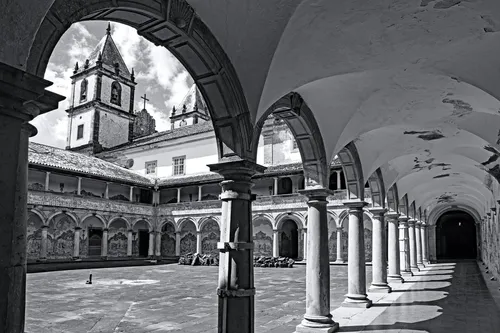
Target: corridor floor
(174,298)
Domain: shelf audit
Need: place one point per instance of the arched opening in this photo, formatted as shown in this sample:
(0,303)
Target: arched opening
(262,237)
(34,236)
(456,236)
(188,237)
(167,247)
(289,239)
(91,237)
(117,238)
(210,235)
(140,243)
(285,185)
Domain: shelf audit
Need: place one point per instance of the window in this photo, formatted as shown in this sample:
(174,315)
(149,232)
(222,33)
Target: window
(83,90)
(116,93)
(178,165)
(151,168)
(79,132)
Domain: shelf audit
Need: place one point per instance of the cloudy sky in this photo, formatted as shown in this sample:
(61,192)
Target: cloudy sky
(158,74)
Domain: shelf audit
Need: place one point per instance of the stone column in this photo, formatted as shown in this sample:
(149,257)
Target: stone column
(275,186)
(379,265)
(418,237)
(79,187)
(131,194)
(340,256)
(317,317)
(158,244)
(339,181)
(200,192)
(404,246)
(413,245)
(394,275)
(177,243)
(356,289)
(178,195)
(43,249)
(47,181)
(129,243)
(76,245)
(305,244)
(276,243)
(198,242)
(106,191)
(236,292)
(104,246)
(423,236)
(431,241)
(151,244)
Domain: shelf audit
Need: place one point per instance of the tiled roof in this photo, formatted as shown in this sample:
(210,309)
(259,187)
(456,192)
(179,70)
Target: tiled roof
(66,160)
(166,135)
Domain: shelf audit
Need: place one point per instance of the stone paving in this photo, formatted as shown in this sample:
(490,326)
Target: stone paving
(174,298)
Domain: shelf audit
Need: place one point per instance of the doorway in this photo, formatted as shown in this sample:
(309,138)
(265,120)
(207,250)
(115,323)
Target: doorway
(95,242)
(456,236)
(143,243)
(289,240)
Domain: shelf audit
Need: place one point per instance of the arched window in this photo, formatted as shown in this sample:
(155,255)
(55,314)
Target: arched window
(83,90)
(116,93)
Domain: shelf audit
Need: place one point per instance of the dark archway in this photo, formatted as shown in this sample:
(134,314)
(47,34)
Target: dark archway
(289,240)
(456,236)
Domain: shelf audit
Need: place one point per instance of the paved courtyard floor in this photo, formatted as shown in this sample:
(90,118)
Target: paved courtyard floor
(173,298)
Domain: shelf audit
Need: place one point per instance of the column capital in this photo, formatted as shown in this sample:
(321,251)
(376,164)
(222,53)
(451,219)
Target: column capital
(392,216)
(403,219)
(319,193)
(412,222)
(494,210)
(45,226)
(236,170)
(275,230)
(355,204)
(24,95)
(105,230)
(78,228)
(378,210)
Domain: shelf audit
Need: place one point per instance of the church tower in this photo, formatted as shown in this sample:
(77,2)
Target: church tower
(192,110)
(102,100)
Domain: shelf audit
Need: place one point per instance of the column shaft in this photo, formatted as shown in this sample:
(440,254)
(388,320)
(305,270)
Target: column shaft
(340,255)
(79,186)
(200,192)
(177,243)
(47,181)
(356,288)
(131,194)
(379,265)
(423,235)
(104,246)
(129,243)
(151,244)
(413,245)
(393,251)
(339,181)
(418,238)
(178,195)
(275,186)
(106,191)
(43,247)
(198,242)
(76,247)
(276,243)
(404,249)
(158,244)
(305,243)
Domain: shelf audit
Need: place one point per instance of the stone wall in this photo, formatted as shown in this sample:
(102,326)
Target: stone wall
(34,236)
(263,238)
(188,238)
(168,240)
(490,251)
(210,235)
(117,239)
(61,237)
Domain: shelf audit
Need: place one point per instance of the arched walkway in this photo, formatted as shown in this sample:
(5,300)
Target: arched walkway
(34,236)
(262,237)
(167,240)
(289,239)
(456,236)
(117,238)
(91,237)
(210,235)
(140,242)
(188,237)
(61,237)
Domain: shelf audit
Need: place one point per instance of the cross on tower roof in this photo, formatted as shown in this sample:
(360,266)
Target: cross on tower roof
(145,100)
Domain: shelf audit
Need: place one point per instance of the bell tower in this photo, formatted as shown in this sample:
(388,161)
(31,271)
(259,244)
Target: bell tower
(102,100)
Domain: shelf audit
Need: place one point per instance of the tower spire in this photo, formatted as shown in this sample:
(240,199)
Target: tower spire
(108,29)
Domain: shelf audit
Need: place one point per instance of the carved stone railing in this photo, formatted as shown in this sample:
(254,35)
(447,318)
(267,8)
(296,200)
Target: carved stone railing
(70,201)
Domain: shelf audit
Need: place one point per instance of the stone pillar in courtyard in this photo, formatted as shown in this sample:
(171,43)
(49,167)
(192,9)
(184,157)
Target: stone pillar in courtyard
(236,292)
(418,238)
(305,244)
(340,255)
(404,246)
(276,243)
(198,242)
(151,244)
(425,248)
(129,243)
(394,272)
(356,276)
(413,245)
(158,244)
(177,243)
(317,317)
(43,245)
(104,246)
(379,264)
(76,243)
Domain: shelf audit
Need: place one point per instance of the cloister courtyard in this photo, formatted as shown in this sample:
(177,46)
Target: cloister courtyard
(446,297)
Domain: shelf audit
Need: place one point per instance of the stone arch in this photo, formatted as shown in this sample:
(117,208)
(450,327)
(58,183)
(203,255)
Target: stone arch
(150,226)
(35,224)
(290,238)
(167,246)
(440,210)
(299,118)
(377,188)
(353,172)
(83,90)
(175,25)
(127,222)
(40,214)
(61,235)
(188,236)
(296,217)
(263,235)
(343,219)
(116,93)
(207,219)
(118,228)
(91,233)
(210,235)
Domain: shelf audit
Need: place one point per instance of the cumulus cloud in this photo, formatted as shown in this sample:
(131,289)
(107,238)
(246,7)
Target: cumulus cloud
(128,42)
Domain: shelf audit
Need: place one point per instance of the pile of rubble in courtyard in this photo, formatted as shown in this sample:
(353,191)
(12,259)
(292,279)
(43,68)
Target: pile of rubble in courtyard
(196,259)
(282,262)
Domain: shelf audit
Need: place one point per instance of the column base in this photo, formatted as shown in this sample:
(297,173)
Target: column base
(406,274)
(104,258)
(421,266)
(415,269)
(324,324)
(395,279)
(356,301)
(340,262)
(77,259)
(380,288)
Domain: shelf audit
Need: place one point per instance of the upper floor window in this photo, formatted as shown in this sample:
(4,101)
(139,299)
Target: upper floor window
(83,90)
(151,167)
(178,165)
(116,93)
(79,132)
